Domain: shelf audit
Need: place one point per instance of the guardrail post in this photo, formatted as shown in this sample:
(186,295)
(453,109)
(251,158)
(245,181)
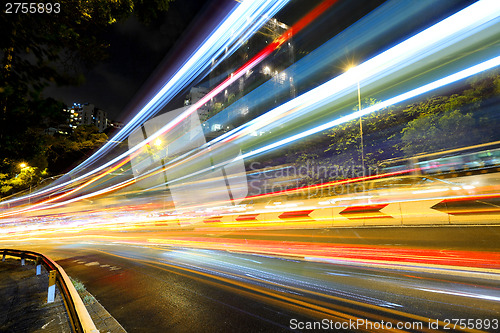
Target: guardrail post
(3,256)
(52,287)
(23,261)
(38,266)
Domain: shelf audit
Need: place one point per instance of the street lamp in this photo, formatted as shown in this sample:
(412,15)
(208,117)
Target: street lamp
(158,143)
(360,125)
(23,166)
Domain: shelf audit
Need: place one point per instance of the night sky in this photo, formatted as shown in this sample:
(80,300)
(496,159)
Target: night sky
(139,56)
(135,52)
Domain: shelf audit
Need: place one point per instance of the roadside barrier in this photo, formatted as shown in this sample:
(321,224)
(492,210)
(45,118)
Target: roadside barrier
(78,314)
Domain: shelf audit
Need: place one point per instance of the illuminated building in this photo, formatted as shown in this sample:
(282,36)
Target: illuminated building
(194,95)
(87,114)
(270,70)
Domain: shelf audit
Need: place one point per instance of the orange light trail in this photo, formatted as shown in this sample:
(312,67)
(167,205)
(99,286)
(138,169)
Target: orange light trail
(38,206)
(328,251)
(297,27)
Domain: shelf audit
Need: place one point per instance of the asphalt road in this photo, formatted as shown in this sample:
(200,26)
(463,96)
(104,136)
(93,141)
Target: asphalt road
(145,294)
(167,289)
(472,238)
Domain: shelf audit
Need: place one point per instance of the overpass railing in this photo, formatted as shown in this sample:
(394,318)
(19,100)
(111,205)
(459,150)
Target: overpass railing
(78,314)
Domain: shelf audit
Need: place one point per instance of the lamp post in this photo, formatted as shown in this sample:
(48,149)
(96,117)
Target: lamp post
(158,144)
(23,166)
(360,125)
(361,133)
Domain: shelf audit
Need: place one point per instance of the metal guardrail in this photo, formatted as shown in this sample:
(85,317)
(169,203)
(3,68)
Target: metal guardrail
(78,314)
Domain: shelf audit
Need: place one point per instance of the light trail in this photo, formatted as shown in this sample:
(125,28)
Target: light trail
(470,18)
(247,18)
(312,98)
(374,28)
(302,23)
(279,289)
(482,261)
(475,18)
(442,35)
(40,205)
(392,101)
(243,21)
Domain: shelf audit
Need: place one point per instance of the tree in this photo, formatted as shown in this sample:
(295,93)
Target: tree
(345,139)
(37,49)
(436,132)
(64,151)
(28,177)
(458,120)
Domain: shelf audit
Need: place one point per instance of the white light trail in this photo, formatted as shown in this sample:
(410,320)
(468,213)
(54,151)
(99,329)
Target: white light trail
(400,98)
(443,34)
(392,101)
(228,33)
(236,26)
(452,30)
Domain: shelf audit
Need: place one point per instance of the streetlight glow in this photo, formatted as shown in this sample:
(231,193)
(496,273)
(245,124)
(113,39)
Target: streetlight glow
(23,165)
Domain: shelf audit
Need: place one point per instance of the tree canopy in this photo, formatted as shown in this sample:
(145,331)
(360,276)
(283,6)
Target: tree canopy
(41,48)
(463,118)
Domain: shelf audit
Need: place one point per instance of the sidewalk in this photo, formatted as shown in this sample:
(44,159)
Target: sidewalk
(24,307)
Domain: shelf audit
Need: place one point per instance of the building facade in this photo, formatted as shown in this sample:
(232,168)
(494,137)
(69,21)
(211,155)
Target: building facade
(195,94)
(87,114)
(237,103)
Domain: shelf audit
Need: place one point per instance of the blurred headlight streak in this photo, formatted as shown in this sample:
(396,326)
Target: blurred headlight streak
(460,46)
(162,100)
(413,93)
(477,22)
(473,20)
(242,22)
(134,151)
